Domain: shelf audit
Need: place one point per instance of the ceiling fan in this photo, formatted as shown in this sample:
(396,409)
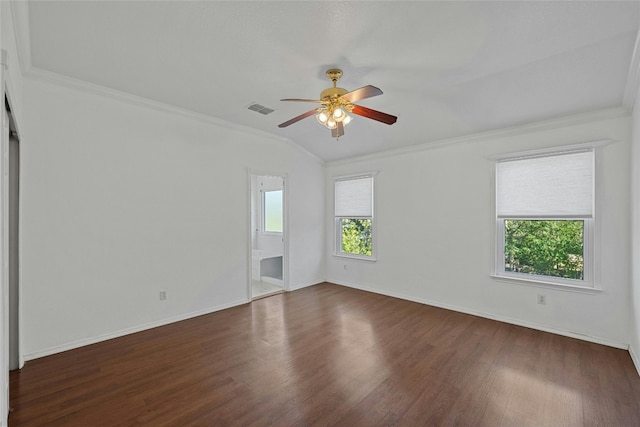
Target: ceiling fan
(337,103)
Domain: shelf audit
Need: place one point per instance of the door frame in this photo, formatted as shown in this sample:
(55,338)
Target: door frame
(285,226)
(8,106)
(19,135)
(13,252)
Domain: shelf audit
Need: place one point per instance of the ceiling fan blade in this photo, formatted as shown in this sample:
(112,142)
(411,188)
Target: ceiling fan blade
(373,114)
(318,101)
(362,93)
(338,131)
(297,118)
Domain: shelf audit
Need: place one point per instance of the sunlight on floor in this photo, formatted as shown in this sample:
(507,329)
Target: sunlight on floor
(522,391)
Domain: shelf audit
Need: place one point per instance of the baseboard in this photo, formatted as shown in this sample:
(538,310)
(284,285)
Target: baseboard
(93,340)
(634,358)
(505,319)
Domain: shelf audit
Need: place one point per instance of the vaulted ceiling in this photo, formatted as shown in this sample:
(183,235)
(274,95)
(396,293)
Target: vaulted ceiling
(447,69)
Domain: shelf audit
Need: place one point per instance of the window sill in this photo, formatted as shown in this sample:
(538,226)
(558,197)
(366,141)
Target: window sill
(547,284)
(358,257)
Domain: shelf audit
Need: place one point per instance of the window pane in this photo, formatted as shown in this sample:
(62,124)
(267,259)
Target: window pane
(273,211)
(545,247)
(356,236)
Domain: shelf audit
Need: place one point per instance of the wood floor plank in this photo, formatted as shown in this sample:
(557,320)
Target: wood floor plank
(331,355)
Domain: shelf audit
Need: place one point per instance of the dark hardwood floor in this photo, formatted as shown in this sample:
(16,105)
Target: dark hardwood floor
(330,355)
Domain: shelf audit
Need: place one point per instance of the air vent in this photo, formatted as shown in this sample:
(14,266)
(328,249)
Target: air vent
(260,109)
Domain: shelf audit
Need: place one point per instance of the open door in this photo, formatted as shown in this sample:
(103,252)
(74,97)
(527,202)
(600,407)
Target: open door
(14,274)
(10,355)
(4,289)
(268,235)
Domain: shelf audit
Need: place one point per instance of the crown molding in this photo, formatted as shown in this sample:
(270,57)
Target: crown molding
(39,74)
(545,125)
(633,77)
(83,86)
(22,31)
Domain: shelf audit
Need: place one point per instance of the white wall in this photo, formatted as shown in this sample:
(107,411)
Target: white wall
(14,78)
(435,230)
(634,348)
(121,201)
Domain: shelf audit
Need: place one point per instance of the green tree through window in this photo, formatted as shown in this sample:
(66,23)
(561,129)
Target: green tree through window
(545,247)
(356,236)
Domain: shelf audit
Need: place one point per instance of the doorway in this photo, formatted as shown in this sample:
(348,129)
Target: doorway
(268,235)
(12,224)
(10,356)
(14,276)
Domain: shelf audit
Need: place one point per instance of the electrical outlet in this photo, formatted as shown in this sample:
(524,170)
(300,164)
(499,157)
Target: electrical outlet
(163,295)
(542,299)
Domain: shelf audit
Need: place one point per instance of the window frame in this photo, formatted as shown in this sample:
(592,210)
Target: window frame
(337,220)
(588,283)
(587,256)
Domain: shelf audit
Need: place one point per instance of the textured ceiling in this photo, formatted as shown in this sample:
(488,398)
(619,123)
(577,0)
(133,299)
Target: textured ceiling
(447,69)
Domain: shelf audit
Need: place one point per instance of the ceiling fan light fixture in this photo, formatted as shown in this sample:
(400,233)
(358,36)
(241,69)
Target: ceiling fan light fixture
(322,118)
(332,114)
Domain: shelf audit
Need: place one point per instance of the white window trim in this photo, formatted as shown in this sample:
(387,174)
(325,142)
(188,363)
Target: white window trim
(541,283)
(337,251)
(589,284)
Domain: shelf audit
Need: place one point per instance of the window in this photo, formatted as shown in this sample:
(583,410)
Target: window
(354,216)
(544,211)
(272,211)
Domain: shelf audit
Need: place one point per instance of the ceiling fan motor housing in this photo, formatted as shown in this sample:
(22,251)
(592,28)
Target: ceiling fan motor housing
(332,93)
(334,75)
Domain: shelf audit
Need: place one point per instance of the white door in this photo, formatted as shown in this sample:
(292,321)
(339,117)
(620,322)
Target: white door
(4,294)
(14,190)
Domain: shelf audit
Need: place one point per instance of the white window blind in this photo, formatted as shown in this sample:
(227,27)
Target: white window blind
(354,197)
(546,187)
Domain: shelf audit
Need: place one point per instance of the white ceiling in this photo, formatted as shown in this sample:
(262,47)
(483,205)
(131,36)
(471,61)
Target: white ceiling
(447,69)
